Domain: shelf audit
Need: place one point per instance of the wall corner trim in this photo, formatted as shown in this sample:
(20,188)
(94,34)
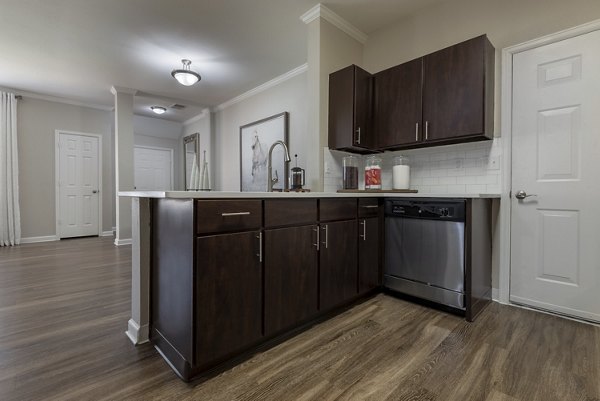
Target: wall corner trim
(33,240)
(121,89)
(261,88)
(320,11)
(136,333)
(198,117)
(119,242)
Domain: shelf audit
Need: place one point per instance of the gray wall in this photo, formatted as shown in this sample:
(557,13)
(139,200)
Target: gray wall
(37,121)
(290,96)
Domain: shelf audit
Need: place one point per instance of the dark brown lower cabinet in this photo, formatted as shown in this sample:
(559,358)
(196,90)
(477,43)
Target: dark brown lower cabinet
(228,295)
(291,277)
(338,263)
(368,254)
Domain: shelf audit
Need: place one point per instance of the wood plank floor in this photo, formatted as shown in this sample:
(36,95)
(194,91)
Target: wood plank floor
(64,308)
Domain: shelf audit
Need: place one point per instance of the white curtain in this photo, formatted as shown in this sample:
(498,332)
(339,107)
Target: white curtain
(10,216)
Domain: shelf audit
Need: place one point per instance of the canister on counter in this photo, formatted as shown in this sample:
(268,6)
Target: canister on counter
(373,172)
(401,173)
(350,178)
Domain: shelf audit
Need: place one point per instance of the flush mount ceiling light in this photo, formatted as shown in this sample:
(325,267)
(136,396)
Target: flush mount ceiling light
(158,109)
(185,76)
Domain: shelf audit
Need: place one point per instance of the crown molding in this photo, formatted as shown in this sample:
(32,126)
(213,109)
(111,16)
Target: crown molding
(121,89)
(320,11)
(199,117)
(57,99)
(267,85)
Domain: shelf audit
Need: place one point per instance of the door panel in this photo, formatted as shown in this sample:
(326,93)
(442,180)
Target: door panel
(338,263)
(368,255)
(291,277)
(79,183)
(555,261)
(152,169)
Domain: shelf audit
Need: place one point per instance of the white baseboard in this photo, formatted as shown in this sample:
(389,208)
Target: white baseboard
(119,242)
(137,334)
(107,234)
(33,240)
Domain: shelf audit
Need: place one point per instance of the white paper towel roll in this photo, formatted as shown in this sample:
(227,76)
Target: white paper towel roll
(401,177)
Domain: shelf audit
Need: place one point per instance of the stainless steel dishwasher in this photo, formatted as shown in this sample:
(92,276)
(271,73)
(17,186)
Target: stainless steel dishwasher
(425,249)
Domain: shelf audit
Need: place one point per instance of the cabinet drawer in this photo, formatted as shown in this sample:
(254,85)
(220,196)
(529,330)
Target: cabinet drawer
(337,209)
(286,212)
(368,207)
(214,216)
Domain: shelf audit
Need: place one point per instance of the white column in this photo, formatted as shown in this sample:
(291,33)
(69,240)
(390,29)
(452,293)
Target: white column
(123,161)
(138,325)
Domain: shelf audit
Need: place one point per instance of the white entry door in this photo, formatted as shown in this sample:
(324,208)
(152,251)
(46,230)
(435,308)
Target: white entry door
(555,230)
(78,185)
(153,169)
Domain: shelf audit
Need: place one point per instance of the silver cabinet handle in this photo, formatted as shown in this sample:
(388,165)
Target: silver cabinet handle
(260,247)
(522,195)
(235,214)
(426,130)
(358,136)
(364,226)
(326,236)
(416,132)
(318,237)
(370,206)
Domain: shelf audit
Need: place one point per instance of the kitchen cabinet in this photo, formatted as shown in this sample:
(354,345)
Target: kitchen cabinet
(350,110)
(398,105)
(228,295)
(369,245)
(458,92)
(291,263)
(442,98)
(337,263)
(291,277)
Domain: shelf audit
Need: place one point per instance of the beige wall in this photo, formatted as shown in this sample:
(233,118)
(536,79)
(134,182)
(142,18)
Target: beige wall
(288,96)
(507,22)
(36,123)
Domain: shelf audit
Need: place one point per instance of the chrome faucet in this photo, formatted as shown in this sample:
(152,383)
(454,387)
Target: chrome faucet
(286,159)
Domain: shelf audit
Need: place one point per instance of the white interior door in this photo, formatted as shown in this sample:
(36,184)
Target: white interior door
(153,169)
(78,185)
(555,248)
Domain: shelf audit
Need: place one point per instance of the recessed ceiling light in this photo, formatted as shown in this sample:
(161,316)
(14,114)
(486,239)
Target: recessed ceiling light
(185,76)
(158,109)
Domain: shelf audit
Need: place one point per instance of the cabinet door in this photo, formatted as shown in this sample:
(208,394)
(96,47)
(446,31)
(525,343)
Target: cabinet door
(338,271)
(368,254)
(228,295)
(454,91)
(291,277)
(398,110)
(350,109)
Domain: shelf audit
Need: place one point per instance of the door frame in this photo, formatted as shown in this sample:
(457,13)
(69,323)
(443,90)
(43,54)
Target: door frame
(158,148)
(503,295)
(57,134)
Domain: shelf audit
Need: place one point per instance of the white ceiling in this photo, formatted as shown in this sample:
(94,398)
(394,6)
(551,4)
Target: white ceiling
(78,49)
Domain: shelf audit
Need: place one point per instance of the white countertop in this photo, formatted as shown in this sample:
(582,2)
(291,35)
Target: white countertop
(237,195)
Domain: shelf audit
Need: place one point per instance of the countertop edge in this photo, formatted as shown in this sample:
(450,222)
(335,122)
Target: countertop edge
(254,195)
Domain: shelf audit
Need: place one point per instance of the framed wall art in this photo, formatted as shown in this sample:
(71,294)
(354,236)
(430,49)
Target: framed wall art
(255,140)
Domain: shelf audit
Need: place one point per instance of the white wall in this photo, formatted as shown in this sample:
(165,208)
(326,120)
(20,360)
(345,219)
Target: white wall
(37,121)
(154,132)
(287,96)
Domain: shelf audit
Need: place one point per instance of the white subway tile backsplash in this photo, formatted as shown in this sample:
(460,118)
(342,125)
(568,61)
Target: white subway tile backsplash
(463,168)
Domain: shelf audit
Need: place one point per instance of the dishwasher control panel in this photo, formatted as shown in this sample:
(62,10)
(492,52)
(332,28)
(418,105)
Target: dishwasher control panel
(426,209)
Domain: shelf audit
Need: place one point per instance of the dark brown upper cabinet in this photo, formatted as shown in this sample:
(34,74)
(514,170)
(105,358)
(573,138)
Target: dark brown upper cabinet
(398,113)
(458,92)
(351,110)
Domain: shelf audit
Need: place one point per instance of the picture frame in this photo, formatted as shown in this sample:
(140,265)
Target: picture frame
(255,140)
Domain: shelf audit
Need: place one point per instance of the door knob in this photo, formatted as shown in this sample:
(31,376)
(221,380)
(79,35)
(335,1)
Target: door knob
(522,194)
(95,191)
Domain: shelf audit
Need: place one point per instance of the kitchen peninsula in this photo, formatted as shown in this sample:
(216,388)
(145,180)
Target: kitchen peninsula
(219,275)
